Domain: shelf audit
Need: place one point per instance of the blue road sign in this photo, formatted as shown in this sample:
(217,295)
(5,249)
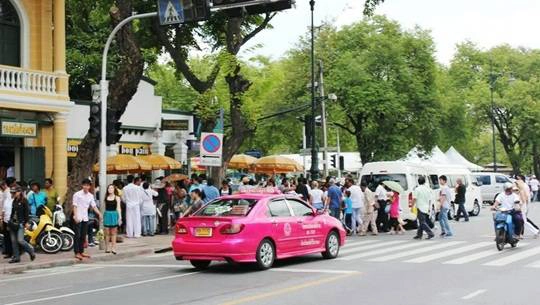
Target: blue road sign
(211,143)
(170,12)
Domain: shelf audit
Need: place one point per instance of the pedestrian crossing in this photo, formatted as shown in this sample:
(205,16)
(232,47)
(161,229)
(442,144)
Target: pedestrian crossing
(447,252)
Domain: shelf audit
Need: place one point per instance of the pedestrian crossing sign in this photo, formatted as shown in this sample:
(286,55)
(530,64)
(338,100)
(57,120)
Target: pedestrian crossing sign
(170,12)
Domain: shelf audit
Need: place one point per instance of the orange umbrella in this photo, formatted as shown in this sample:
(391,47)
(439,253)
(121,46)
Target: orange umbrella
(161,162)
(276,164)
(175,177)
(121,164)
(241,162)
(196,165)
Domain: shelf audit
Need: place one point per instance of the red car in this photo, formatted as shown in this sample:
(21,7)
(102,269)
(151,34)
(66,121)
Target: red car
(254,227)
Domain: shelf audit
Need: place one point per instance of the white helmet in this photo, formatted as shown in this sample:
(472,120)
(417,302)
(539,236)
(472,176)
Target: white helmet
(508,185)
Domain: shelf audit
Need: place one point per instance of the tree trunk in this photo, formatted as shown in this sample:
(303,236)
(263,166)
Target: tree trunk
(536,159)
(122,88)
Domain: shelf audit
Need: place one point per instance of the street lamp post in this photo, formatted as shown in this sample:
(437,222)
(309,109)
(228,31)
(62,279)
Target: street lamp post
(314,154)
(492,80)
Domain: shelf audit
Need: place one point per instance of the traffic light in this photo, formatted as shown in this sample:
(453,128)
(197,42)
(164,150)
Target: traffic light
(333,161)
(341,163)
(195,10)
(95,120)
(113,128)
(269,6)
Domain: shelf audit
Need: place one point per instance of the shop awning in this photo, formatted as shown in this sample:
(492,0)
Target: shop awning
(160,162)
(125,164)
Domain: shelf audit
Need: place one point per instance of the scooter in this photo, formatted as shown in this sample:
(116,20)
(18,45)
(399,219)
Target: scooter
(503,221)
(44,234)
(68,236)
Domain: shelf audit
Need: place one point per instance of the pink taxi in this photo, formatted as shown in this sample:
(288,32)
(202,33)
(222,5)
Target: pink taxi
(256,227)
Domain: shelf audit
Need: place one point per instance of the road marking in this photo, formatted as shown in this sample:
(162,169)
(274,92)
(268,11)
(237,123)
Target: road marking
(159,255)
(313,271)
(416,251)
(266,295)
(370,247)
(381,251)
(142,266)
(358,243)
(514,257)
(474,257)
(33,292)
(474,294)
(49,274)
(447,253)
(103,289)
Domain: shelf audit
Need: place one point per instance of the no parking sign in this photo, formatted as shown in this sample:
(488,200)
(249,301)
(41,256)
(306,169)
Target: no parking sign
(211,149)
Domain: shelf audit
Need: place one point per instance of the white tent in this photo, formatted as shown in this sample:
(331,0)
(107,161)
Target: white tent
(455,157)
(436,156)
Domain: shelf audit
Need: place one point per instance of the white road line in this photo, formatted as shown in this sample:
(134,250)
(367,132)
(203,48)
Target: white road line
(48,274)
(416,251)
(514,257)
(474,294)
(381,251)
(360,242)
(476,256)
(370,247)
(313,271)
(141,266)
(102,289)
(171,254)
(450,252)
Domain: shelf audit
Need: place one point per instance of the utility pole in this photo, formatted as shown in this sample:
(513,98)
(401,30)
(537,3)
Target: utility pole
(314,154)
(304,146)
(492,80)
(323,118)
(338,154)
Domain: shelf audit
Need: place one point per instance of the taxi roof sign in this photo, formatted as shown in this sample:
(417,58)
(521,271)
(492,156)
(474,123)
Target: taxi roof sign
(261,190)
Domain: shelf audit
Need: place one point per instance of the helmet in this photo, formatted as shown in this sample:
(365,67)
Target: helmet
(508,185)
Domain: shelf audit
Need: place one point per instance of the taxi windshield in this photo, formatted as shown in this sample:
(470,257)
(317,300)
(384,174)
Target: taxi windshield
(227,207)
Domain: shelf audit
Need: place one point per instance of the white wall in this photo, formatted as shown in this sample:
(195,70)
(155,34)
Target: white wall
(144,109)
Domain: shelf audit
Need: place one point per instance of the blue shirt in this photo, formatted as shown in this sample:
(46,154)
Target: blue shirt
(210,193)
(35,200)
(334,193)
(348,205)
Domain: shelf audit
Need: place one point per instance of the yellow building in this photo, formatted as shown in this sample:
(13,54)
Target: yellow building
(34,99)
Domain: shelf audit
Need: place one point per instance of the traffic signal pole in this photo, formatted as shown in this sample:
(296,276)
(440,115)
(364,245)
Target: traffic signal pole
(323,119)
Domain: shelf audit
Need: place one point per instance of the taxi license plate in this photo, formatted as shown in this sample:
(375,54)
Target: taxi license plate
(203,232)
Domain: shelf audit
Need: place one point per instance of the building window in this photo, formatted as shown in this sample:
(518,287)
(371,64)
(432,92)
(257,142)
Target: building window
(10,35)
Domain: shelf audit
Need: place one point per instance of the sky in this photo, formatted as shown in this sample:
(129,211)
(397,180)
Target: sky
(485,22)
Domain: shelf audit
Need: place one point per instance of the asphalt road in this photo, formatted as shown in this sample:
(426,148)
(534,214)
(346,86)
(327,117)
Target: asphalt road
(379,270)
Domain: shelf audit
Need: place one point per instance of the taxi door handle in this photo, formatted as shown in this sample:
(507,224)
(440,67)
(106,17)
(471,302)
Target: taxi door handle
(274,223)
(300,221)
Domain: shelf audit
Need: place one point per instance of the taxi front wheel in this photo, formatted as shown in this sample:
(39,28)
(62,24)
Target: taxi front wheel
(266,254)
(332,245)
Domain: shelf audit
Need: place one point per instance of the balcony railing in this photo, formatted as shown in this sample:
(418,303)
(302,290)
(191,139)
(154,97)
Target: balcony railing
(30,81)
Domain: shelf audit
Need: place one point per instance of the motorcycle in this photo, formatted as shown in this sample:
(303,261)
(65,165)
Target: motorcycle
(44,234)
(503,221)
(68,236)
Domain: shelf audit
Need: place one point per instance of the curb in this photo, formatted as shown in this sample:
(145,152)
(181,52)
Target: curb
(72,261)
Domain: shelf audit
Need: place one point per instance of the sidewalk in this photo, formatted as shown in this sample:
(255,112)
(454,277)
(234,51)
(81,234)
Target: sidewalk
(130,247)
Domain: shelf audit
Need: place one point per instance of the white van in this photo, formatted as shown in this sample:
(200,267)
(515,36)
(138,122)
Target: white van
(473,194)
(402,172)
(491,184)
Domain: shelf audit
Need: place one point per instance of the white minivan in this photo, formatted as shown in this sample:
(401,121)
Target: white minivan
(473,194)
(491,185)
(403,172)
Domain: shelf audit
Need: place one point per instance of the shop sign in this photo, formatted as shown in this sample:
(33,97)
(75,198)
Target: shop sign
(134,149)
(73,148)
(175,125)
(19,129)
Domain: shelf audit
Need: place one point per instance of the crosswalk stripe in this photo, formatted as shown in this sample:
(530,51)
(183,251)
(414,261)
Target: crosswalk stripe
(447,253)
(416,251)
(370,247)
(380,251)
(514,257)
(476,256)
(358,243)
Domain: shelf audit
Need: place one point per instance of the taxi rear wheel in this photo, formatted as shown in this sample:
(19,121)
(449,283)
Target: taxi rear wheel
(200,264)
(332,245)
(266,254)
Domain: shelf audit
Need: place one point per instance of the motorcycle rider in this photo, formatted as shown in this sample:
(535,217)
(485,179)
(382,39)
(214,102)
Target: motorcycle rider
(507,201)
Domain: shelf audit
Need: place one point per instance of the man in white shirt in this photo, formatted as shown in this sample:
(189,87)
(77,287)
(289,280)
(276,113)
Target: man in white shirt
(82,201)
(132,195)
(357,198)
(535,185)
(507,201)
(5,215)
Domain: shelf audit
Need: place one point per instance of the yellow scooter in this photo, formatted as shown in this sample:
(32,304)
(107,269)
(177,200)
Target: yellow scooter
(44,234)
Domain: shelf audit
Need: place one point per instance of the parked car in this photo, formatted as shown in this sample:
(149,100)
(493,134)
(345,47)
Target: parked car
(491,184)
(259,228)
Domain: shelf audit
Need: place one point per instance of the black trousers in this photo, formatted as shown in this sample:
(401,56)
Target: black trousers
(8,249)
(423,225)
(382,217)
(462,211)
(164,220)
(81,230)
